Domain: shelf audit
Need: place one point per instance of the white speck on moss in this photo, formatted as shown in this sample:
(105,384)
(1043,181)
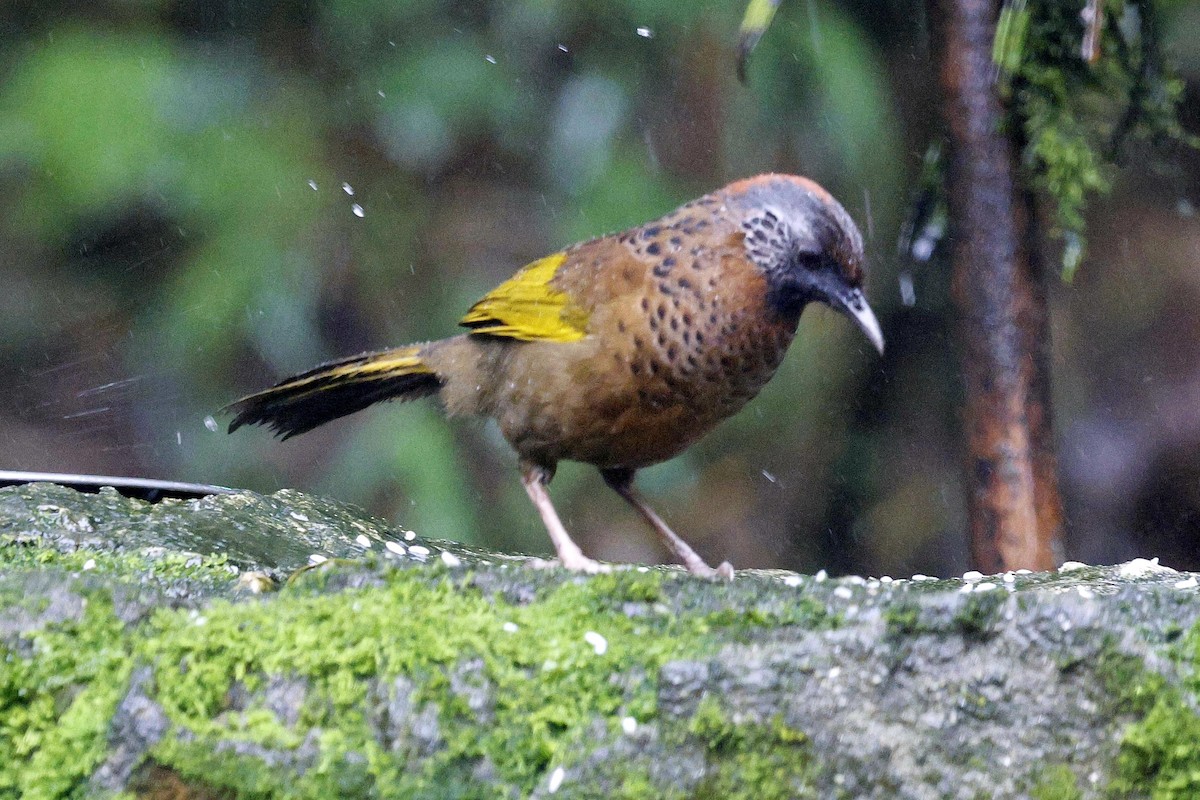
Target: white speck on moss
(89,564)
(510,627)
(363,541)
(821,576)
(792,580)
(1186,583)
(1071,566)
(629,725)
(598,642)
(556,779)
(843,593)
(317,558)
(410,535)
(418,550)
(450,560)
(972,576)
(395,547)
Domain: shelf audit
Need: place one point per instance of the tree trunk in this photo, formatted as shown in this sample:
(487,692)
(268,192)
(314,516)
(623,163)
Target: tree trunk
(1014,506)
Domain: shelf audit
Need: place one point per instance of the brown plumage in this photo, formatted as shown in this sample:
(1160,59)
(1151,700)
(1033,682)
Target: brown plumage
(621,351)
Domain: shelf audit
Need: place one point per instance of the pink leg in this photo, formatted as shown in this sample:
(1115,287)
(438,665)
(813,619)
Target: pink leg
(535,479)
(621,480)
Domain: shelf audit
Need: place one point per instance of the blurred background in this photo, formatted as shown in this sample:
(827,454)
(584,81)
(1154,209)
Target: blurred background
(199,197)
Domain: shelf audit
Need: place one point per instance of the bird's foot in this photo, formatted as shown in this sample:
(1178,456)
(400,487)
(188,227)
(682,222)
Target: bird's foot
(700,569)
(581,563)
(723,572)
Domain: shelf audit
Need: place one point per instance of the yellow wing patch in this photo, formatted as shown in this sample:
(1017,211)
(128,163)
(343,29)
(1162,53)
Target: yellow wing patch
(527,308)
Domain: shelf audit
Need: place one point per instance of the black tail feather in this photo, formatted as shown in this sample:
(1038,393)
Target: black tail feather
(335,389)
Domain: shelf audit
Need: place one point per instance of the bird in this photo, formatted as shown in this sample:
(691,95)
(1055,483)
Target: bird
(621,351)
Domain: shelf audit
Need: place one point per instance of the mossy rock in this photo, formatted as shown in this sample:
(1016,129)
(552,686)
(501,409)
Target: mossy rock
(192,649)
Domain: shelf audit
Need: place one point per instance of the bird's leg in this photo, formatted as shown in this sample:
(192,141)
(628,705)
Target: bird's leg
(535,479)
(621,481)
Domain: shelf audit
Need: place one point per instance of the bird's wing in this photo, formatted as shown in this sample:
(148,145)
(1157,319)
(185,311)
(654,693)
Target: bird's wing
(527,307)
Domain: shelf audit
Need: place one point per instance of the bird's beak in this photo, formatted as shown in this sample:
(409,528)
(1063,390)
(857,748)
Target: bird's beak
(854,305)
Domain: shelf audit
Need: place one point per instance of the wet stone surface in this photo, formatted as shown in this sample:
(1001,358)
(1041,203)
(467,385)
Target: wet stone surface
(201,645)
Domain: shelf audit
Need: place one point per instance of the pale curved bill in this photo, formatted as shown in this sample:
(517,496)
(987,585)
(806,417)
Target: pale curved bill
(855,306)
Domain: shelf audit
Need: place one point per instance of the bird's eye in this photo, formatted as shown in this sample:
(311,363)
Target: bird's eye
(809,260)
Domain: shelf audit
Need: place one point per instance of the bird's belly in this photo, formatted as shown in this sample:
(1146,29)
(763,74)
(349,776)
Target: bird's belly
(618,407)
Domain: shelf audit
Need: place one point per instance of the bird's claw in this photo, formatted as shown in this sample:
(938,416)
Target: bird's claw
(582,564)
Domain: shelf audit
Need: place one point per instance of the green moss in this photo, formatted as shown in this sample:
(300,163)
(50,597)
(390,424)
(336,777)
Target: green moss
(1159,755)
(546,677)
(134,567)
(764,761)
(58,691)
(1057,783)
(903,618)
(979,610)
(637,785)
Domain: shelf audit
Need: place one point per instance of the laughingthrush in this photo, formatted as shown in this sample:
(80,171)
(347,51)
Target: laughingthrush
(621,351)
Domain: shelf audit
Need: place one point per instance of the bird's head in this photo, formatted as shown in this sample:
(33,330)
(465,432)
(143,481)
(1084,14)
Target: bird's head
(806,245)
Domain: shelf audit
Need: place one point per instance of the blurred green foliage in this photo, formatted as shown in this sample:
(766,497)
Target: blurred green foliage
(249,190)
(1074,114)
(198,197)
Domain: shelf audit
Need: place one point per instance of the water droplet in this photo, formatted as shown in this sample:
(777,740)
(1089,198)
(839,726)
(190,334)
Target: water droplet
(358,210)
(312,184)
(908,293)
(868,214)
(1072,255)
(347,188)
(645,32)
(210,423)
